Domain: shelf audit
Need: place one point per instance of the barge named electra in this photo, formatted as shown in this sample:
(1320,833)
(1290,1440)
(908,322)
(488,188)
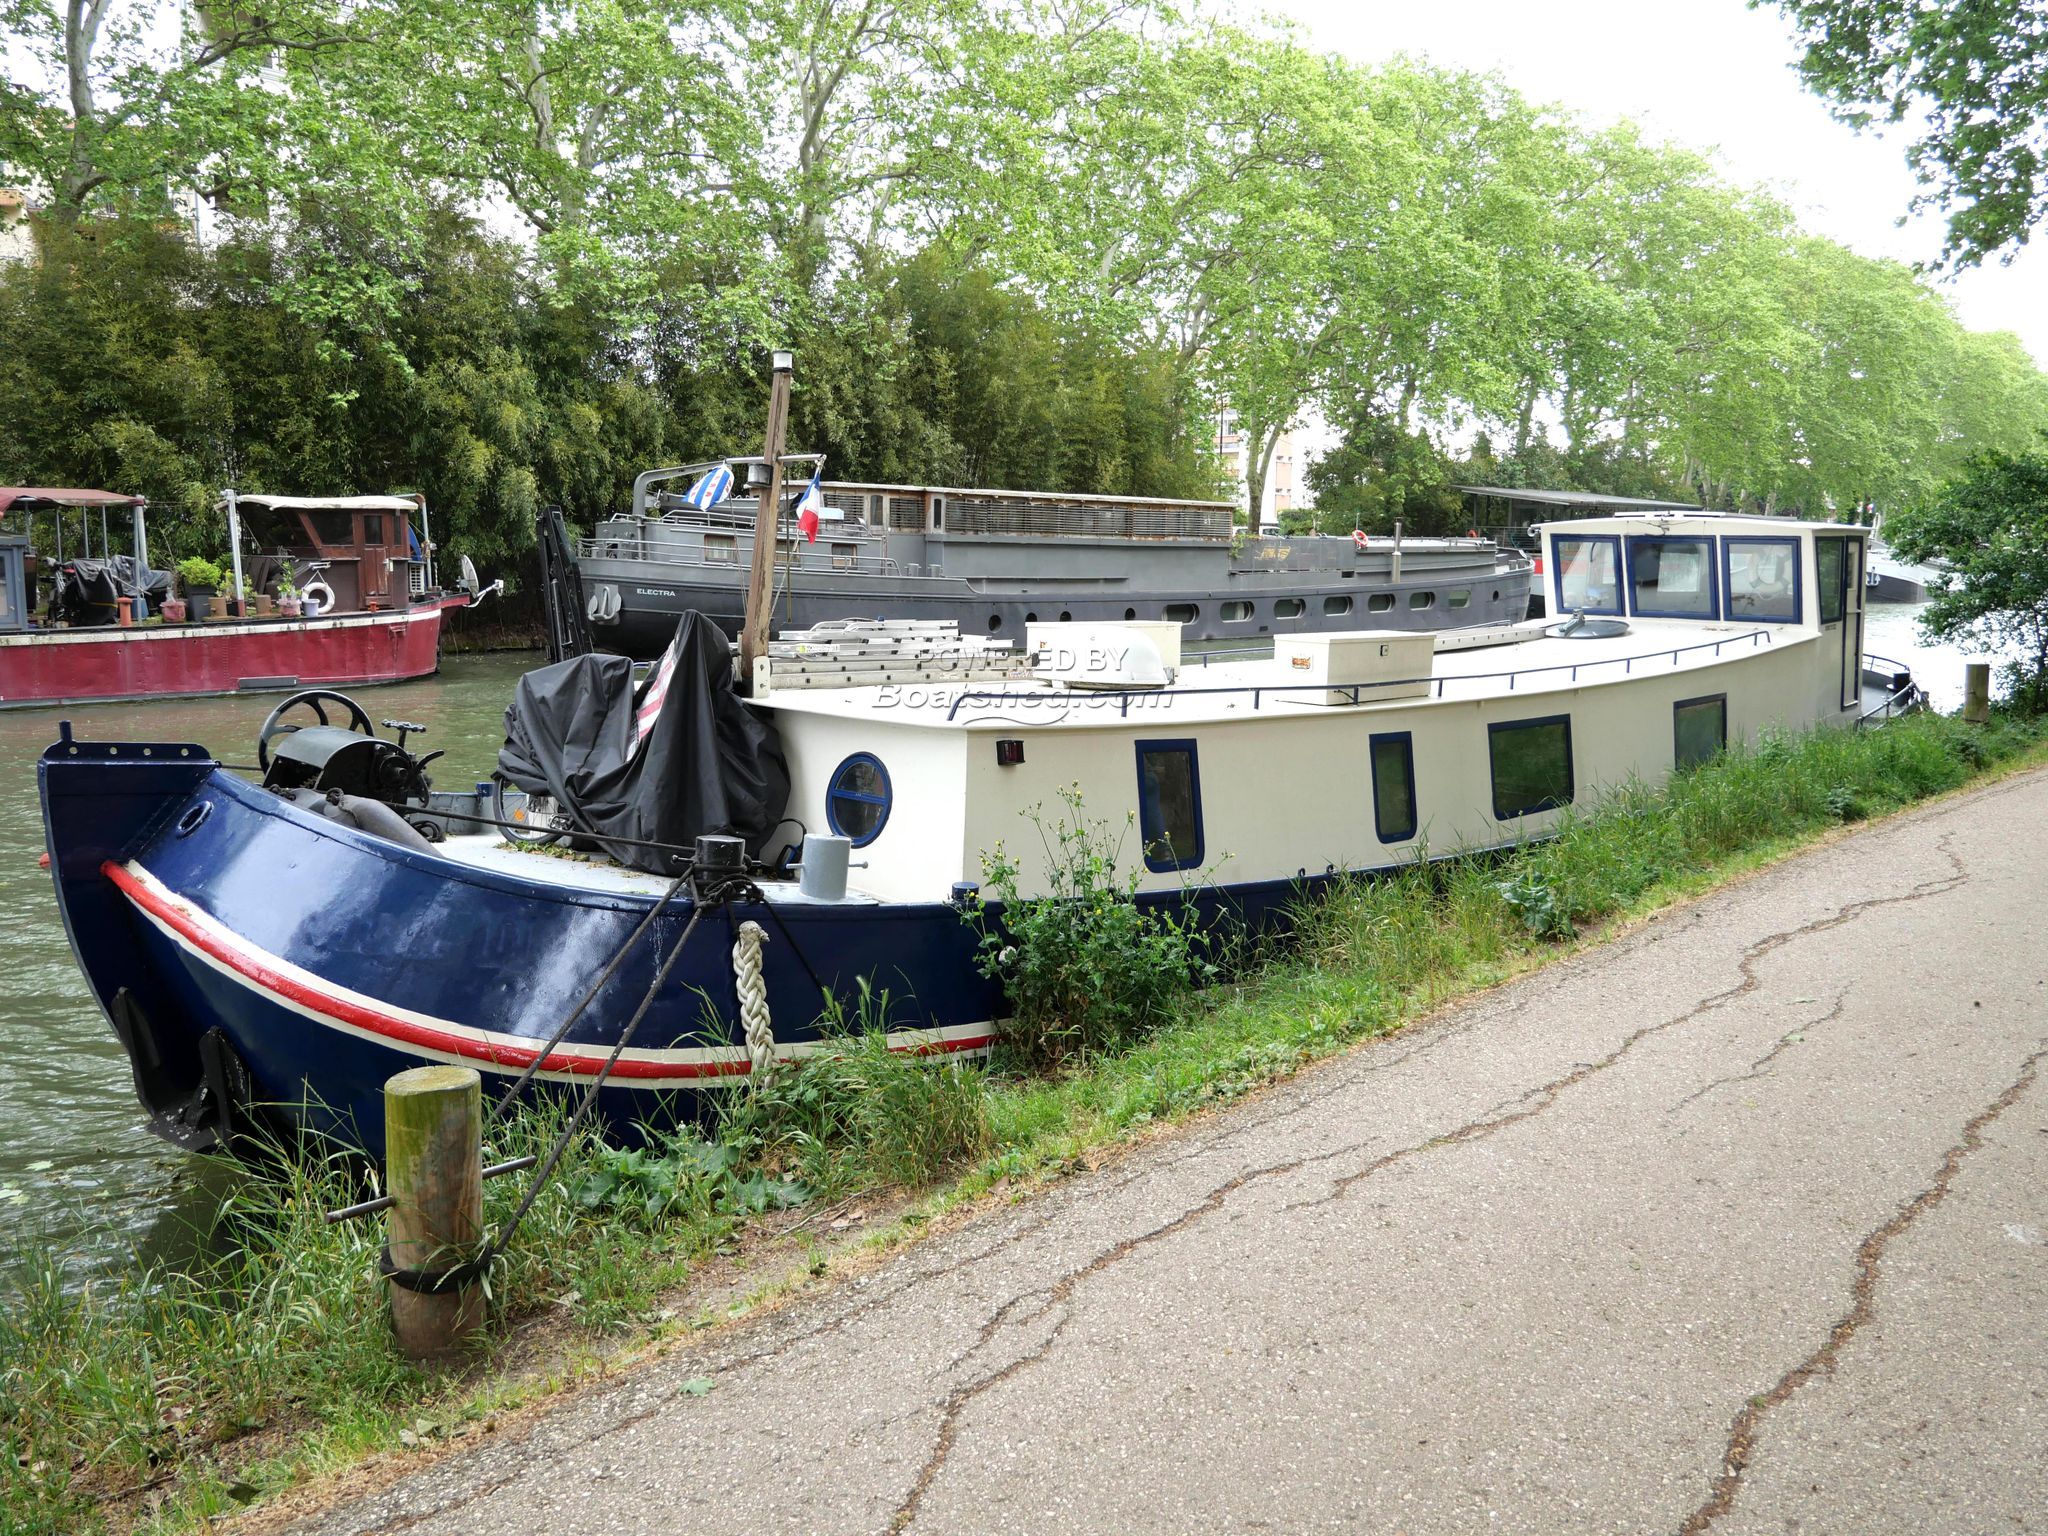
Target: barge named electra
(994,561)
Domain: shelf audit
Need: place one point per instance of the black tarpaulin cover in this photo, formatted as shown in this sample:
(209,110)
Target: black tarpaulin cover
(709,763)
(86,589)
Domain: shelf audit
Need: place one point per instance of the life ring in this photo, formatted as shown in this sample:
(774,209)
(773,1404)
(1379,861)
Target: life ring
(1358,537)
(317,591)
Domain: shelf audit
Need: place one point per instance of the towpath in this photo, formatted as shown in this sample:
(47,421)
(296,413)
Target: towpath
(1739,1224)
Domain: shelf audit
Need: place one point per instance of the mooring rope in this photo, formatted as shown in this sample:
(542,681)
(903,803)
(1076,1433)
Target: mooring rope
(753,994)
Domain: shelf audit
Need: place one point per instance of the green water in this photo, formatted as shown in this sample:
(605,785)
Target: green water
(77,1170)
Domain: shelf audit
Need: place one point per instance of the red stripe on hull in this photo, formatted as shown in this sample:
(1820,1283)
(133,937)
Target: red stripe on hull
(254,968)
(147,662)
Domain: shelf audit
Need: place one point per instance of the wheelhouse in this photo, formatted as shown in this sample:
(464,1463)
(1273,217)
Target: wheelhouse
(371,551)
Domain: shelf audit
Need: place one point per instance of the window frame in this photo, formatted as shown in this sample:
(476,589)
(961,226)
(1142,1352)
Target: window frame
(1639,540)
(1728,544)
(1498,728)
(833,794)
(1680,704)
(1405,740)
(1820,588)
(1148,805)
(1565,609)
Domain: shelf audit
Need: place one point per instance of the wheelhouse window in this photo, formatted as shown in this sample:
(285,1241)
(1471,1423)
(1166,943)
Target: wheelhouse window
(857,800)
(1588,574)
(1393,786)
(1672,578)
(719,548)
(1169,805)
(1761,578)
(1699,730)
(1831,578)
(1532,765)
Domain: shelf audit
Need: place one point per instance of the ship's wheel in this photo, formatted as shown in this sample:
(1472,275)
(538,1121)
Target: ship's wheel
(316,701)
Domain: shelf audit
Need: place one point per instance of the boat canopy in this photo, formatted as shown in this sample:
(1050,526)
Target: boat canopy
(34,498)
(337,503)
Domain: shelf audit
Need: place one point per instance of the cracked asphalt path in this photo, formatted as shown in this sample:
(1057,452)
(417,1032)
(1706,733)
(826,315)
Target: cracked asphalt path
(1739,1224)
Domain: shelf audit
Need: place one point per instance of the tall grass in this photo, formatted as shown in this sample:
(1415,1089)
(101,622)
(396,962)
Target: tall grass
(210,1385)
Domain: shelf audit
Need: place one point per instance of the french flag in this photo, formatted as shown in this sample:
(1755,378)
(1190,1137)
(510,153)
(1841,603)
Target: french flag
(709,491)
(648,710)
(809,507)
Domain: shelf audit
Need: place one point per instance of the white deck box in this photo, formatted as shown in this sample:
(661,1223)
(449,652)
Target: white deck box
(1360,666)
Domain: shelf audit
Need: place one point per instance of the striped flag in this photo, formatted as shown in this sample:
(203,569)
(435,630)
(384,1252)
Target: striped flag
(808,508)
(709,491)
(649,708)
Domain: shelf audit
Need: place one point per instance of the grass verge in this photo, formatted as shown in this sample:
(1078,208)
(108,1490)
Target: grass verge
(155,1399)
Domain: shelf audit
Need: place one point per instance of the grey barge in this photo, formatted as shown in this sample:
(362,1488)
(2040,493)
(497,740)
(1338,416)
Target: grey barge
(993,561)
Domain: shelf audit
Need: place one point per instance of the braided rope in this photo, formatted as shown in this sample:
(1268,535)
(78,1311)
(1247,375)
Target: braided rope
(753,991)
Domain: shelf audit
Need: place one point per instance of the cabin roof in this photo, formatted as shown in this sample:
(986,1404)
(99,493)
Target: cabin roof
(330,503)
(1592,501)
(33,498)
(1700,520)
(1266,689)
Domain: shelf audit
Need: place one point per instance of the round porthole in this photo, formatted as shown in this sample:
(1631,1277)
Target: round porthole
(857,803)
(995,622)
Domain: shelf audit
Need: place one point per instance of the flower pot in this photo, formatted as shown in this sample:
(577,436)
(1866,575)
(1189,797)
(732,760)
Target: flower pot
(173,610)
(216,607)
(265,607)
(289,607)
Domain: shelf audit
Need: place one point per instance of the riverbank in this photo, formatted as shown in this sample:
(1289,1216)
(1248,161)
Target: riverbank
(167,1397)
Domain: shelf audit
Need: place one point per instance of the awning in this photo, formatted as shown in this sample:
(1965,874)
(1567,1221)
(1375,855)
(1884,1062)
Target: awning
(33,498)
(330,503)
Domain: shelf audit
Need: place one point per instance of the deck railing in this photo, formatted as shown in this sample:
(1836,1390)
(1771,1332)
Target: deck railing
(1359,692)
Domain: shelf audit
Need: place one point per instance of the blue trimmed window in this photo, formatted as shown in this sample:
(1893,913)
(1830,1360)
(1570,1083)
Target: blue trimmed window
(1671,578)
(858,798)
(1393,785)
(1761,578)
(1588,574)
(1699,729)
(1532,765)
(1170,805)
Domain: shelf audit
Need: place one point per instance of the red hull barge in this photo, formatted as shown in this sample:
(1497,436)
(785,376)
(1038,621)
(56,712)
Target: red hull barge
(106,663)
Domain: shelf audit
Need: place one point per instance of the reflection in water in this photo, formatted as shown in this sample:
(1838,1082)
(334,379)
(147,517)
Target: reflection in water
(76,1167)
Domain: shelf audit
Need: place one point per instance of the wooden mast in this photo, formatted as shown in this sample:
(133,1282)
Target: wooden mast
(754,631)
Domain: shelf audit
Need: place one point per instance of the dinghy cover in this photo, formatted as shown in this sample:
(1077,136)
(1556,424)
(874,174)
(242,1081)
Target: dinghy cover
(705,762)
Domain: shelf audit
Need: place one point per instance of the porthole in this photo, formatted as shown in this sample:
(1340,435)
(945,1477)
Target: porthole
(1066,617)
(1421,599)
(1289,608)
(857,803)
(995,622)
(1236,611)
(1182,613)
(1130,613)
(1336,605)
(1030,618)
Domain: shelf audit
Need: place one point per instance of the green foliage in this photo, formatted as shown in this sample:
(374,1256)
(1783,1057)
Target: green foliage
(1974,78)
(1085,969)
(1378,475)
(195,571)
(1988,533)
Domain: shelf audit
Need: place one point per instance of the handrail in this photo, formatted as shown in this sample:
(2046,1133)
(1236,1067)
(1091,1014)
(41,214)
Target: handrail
(1901,700)
(1357,690)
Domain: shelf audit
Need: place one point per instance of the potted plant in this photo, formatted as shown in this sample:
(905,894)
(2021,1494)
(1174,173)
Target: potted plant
(199,581)
(288,602)
(236,597)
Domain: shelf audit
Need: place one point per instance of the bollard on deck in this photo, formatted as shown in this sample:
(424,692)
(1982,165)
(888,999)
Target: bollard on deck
(433,1159)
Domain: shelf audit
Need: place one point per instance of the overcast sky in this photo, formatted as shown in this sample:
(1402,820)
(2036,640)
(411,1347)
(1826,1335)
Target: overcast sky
(1710,74)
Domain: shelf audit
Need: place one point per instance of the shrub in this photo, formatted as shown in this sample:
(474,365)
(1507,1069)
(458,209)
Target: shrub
(195,572)
(1086,967)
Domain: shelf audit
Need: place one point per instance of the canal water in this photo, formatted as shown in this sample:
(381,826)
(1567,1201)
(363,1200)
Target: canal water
(77,1171)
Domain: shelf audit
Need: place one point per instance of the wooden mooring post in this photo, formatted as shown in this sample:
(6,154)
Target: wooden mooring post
(433,1163)
(1977,692)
